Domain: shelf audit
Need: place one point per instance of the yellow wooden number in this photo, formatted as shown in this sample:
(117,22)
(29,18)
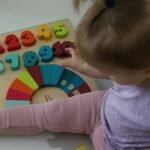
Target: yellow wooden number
(44,32)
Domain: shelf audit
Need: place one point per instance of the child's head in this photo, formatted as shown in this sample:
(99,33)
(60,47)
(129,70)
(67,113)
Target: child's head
(116,33)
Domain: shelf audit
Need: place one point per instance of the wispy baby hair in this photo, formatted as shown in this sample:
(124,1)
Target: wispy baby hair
(115,32)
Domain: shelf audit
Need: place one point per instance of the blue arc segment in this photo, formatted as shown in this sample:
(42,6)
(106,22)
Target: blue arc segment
(10,103)
(70,81)
(51,74)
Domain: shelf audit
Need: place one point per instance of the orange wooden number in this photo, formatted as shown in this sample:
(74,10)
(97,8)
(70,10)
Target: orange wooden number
(13,42)
(28,38)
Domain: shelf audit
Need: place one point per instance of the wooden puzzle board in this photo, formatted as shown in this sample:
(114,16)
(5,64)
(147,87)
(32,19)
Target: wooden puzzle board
(48,140)
(9,76)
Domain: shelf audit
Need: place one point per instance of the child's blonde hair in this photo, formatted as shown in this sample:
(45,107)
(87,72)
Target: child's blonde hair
(117,35)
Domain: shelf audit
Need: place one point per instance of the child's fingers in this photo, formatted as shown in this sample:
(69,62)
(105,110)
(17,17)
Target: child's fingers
(66,63)
(71,51)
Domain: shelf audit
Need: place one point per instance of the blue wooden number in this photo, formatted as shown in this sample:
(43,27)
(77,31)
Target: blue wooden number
(46,53)
(14,60)
(2,68)
(30,59)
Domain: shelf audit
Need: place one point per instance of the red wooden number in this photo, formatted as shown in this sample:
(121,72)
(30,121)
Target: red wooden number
(28,38)
(2,50)
(58,52)
(60,49)
(13,42)
(67,44)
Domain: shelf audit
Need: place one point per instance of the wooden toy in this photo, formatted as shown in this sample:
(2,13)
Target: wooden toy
(2,50)
(28,38)
(14,60)
(17,95)
(70,81)
(51,74)
(10,103)
(44,32)
(60,49)
(46,53)
(13,42)
(30,71)
(32,74)
(36,74)
(30,59)
(26,78)
(2,68)
(20,86)
(60,30)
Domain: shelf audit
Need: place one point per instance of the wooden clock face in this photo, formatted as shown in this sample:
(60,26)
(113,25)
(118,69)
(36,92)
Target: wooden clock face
(43,83)
(48,94)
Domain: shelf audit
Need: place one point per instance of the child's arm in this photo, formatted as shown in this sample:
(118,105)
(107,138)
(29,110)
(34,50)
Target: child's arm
(76,63)
(92,72)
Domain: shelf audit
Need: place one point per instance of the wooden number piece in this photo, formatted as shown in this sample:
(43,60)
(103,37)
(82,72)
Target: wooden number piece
(44,32)
(60,30)
(2,68)
(60,49)
(2,50)
(58,52)
(13,42)
(30,59)
(46,53)
(14,60)
(67,44)
(28,38)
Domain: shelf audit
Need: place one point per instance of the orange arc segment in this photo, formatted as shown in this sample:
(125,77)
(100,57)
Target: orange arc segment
(20,86)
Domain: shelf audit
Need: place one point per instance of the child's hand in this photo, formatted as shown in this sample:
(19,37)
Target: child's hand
(78,64)
(75,63)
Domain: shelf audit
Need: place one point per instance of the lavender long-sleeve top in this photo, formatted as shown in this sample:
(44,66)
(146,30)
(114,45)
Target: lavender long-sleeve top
(126,117)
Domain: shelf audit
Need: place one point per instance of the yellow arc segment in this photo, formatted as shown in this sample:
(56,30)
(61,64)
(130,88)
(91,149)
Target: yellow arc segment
(27,79)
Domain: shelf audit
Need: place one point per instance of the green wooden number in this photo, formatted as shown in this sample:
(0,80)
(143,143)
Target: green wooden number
(60,30)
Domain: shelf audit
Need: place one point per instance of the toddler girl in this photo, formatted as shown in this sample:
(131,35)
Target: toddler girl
(113,42)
